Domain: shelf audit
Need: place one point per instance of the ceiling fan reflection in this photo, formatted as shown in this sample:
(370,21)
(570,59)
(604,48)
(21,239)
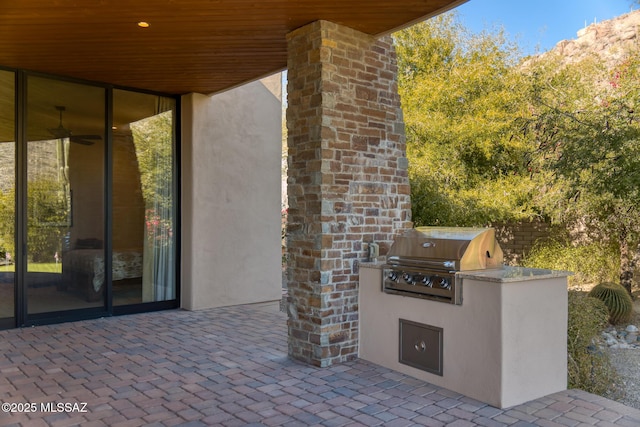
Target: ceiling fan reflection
(62,132)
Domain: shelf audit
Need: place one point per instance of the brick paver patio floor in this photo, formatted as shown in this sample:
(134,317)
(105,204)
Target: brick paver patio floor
(229,367)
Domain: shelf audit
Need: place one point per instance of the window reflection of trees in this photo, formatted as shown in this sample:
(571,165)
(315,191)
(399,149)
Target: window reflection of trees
(153,137)
(154,150)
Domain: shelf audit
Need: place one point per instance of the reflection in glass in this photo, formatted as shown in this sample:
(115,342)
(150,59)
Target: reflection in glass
(143,198)
(62,168)
(7,195)
(65,195)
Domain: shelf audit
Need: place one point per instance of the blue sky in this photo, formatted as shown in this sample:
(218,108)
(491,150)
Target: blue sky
(540,24)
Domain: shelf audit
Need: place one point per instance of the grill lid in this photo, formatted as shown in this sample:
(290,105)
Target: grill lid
(456,248)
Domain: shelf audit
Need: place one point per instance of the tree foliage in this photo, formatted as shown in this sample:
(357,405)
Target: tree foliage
(7,222)
(459,95)
(47,219)
(494,137)
(153,138)
(584,127)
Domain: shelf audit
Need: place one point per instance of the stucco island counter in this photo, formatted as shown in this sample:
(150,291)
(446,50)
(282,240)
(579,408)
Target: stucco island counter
(504,345)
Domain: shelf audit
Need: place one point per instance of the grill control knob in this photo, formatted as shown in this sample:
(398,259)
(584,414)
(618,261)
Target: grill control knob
(426,280)
(407,278)
(393,276)
(444,283)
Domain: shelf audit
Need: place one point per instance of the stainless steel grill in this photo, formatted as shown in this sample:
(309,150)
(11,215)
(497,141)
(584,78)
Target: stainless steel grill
(424,261)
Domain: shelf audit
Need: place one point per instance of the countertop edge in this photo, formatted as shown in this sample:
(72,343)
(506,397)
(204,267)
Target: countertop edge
(513,274)
(505,274)
(372,264)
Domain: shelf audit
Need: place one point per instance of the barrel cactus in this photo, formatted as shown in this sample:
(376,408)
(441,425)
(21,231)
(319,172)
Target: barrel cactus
(617,300)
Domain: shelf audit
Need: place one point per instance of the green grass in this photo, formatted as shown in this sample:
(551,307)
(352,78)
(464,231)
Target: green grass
(45,267)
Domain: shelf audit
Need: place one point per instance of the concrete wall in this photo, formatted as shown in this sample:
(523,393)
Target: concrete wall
(231,162)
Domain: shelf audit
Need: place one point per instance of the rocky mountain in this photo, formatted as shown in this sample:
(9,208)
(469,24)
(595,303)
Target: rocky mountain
(611,40)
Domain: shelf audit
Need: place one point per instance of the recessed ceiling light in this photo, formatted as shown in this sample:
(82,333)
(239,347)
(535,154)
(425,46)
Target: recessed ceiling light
(143,24)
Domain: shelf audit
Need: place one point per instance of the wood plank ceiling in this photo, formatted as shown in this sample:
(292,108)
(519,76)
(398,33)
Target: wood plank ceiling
(203,46)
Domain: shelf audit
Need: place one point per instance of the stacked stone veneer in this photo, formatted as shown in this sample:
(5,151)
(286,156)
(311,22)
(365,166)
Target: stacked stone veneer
(347,184)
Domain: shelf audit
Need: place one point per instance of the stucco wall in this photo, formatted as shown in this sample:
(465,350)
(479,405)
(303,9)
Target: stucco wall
(231,161)
(505,345)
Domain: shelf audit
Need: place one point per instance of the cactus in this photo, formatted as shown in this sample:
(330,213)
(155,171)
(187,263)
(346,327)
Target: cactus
(617,300)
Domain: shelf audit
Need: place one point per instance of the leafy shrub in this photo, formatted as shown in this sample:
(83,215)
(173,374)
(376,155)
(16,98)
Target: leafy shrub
(434,201)
(591,263)
(617,300)
(589,368)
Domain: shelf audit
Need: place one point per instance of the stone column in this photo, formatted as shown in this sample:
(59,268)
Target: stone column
(347,184)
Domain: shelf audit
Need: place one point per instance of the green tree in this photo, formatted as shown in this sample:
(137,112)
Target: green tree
(585,124)
(460,95)
(7,222)
(491,137)
(48,214)
(154,149)
(47,217)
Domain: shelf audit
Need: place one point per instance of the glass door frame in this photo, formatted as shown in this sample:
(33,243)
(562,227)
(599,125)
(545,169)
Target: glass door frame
(21,316)
(10,321)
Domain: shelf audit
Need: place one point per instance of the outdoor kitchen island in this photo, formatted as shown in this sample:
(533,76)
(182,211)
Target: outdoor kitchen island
(504,344)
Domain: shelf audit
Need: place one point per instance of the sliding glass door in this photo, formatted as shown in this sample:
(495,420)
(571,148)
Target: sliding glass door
(65,195)
(7,198)
(144,260)
(88,200)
